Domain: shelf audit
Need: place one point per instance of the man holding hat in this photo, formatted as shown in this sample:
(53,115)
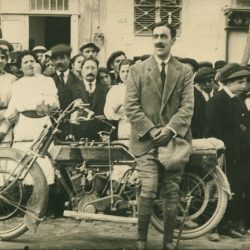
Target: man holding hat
(203,91)
(223,122)
(89,49)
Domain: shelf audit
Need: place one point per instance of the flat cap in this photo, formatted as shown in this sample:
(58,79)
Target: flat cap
(219,64)
(205,64)
(232,71)
(190,61)
(6,43)
(39,49)
(113,56)
(91,45)
(60,49)
(204,73)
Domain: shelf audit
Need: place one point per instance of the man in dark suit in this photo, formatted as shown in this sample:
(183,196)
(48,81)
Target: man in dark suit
(92,92)
(203,91)
(223,122)
(159,105)
(64,79)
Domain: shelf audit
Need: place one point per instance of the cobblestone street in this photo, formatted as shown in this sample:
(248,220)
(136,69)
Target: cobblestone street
(75,235)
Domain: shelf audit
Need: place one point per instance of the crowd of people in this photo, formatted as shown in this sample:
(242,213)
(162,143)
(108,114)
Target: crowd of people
(36,81)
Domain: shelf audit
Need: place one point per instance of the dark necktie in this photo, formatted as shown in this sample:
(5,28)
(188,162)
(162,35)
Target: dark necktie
(163,73)
(61,78)
(90,87)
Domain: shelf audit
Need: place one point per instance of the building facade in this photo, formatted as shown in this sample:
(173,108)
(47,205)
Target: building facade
(204,29)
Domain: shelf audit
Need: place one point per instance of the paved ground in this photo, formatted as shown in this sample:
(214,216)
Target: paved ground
(75,235)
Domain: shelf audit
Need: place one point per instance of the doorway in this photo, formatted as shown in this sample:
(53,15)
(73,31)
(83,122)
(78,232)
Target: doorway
(48,31)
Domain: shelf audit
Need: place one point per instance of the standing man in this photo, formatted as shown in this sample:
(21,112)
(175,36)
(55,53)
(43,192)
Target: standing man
(203,91)
(93,92)
(64,79)
(113,63)
(89,49)
(159,104)
(224,122)
(39,51)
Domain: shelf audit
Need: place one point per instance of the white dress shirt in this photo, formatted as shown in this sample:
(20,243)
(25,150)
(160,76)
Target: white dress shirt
(65,75)
(159,62)
(87,86)
(228,91)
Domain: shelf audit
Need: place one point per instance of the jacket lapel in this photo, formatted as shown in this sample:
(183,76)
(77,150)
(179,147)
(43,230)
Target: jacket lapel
(154,74)
(171,80)
(96,95)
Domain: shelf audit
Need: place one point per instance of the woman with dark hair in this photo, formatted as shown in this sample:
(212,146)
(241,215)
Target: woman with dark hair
(114,109)
(32,97)
(104,77)
(6,81)
(75,65)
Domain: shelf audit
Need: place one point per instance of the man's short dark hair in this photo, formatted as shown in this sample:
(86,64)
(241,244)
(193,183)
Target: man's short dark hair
(91,58)
(164,23)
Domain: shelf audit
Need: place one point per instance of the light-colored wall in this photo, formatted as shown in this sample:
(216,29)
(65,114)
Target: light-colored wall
(202,34)
(202,37)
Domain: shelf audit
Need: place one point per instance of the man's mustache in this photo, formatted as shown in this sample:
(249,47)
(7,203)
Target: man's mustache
(159,45)
(90,74)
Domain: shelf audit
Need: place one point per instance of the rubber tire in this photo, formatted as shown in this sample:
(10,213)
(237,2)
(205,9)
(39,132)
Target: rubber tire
(41,185)
(214,220)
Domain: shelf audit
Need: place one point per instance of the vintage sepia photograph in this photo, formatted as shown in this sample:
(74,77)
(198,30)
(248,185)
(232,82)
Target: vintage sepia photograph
(124,124)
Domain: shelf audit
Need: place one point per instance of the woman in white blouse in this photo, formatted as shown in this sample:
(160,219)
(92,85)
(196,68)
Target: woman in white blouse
(114,109)
(28,95)
(6,81)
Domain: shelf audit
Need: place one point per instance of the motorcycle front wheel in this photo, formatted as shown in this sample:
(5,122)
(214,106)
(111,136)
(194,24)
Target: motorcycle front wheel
(207,207)
(21,199)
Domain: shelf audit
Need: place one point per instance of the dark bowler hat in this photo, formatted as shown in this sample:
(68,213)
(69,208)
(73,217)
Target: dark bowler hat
(204,73)
(205,64)
(60,49)
(219,64)
(9,45)
(233,71)
(113,56)
(91,45)
(190,61)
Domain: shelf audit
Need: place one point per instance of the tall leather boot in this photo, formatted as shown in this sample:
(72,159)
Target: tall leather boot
(170,214)
(145,206)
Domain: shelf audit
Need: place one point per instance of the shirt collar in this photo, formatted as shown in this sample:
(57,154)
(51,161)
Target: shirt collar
(159,61)
(87,83)
(228,91)
(65,73)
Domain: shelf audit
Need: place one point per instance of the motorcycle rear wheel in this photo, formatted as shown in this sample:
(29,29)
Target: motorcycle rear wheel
(31,198)
(207,206)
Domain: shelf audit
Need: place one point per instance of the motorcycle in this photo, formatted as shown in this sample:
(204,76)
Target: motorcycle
(101,182)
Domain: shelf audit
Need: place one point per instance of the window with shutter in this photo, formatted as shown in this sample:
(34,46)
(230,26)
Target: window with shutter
(60,5)
(147,12)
